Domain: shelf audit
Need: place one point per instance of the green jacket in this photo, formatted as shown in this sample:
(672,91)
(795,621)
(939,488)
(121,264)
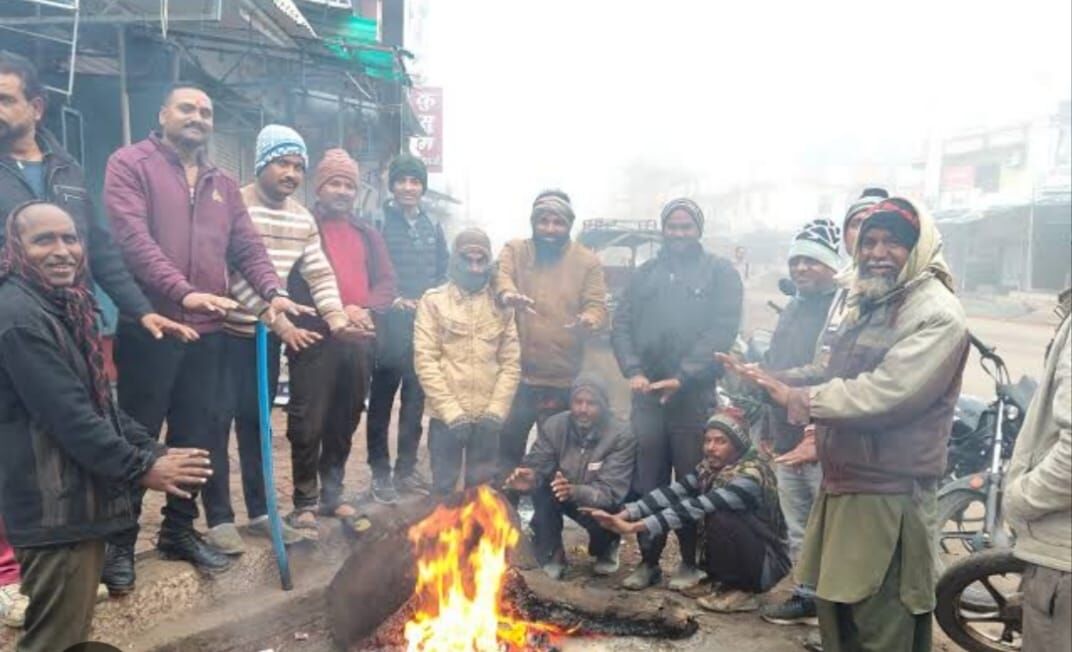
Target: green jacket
(1038,491)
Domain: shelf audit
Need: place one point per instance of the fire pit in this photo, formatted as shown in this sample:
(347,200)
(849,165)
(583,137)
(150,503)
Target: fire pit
(459,576)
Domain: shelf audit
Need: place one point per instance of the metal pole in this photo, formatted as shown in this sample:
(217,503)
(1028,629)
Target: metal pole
(265,413)
(124,95)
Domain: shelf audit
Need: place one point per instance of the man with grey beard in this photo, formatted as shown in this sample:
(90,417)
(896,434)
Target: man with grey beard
(881,405)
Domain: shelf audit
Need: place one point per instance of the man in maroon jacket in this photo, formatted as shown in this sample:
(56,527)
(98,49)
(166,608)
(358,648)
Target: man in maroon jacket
(329,380)
(180,223)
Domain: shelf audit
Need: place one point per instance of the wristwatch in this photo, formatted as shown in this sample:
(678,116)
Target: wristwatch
(278,292)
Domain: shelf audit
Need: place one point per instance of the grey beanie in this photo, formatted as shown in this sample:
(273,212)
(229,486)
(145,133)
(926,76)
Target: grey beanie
(818,240)
(687,205)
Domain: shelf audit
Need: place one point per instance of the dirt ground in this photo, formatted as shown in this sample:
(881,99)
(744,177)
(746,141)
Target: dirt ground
(1021,337)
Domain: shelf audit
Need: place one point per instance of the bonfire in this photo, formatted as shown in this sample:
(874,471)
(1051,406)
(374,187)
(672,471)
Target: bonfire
(461,566)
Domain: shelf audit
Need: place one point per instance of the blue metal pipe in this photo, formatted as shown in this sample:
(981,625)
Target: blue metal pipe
(265,405)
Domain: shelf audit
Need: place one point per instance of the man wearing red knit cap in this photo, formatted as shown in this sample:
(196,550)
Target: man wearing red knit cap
(329,380)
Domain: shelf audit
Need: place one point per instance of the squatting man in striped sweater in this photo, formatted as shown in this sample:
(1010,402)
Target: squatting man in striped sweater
(734,493)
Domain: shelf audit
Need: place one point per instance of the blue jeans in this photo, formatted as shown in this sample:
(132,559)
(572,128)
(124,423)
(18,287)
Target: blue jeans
(798,487)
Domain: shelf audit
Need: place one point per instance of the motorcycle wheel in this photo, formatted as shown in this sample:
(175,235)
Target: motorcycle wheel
(997,630)
(954,525)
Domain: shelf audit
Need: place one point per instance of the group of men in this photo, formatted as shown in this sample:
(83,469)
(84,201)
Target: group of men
(839,477)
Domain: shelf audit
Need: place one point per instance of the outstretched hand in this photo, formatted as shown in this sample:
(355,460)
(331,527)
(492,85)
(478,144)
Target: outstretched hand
(159,326)
(752,373)
(522,479)
(619,522)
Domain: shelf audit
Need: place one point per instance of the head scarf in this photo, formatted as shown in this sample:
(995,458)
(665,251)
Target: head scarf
(687,205)
(925,261)
(77,306)
(594,384)
(277,141)
(458,270)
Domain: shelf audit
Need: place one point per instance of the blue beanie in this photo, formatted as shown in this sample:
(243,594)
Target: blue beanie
(276,141)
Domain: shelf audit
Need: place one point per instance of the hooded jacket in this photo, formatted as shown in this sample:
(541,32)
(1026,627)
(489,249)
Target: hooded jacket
(676,312)
(886,396)
(67,471)
(598,465)
(551,352)
(66,187)
(177,239)
(1038,487)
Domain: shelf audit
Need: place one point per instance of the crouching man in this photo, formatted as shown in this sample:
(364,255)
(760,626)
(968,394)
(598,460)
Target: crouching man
(582,459)
(467,357)
(70,456)
(734,493)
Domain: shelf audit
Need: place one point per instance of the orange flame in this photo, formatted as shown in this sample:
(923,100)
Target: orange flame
(461,562)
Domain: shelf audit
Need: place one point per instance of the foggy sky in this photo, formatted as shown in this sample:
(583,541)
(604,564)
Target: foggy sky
(564,92)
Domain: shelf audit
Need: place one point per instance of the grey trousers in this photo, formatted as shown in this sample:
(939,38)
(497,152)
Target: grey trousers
(1047,610)
(61,582)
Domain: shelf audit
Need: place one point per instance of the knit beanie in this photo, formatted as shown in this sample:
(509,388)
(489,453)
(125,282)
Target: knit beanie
(818,240)
(407,165)
(896,216)
(277,141)
(552,204)
(458,268)
(336,163)
(868,198)
(687,205)
(732,422)
(592,383)
(552,192)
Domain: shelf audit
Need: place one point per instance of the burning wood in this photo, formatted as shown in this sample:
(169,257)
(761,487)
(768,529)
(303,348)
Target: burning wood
(451,581)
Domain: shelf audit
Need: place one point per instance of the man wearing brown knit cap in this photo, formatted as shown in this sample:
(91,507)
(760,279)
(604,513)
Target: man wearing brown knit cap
(329,380)
(467,357)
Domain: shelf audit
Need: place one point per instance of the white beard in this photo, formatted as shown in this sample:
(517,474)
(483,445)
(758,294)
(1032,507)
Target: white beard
(873,288)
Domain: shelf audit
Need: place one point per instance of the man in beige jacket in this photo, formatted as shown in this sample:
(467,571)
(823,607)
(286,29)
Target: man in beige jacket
(467,357)
(1038,499)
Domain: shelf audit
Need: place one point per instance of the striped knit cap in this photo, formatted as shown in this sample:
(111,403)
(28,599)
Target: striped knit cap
(276,141)
(687,205)
(552,204)
(732,422)
(818,240)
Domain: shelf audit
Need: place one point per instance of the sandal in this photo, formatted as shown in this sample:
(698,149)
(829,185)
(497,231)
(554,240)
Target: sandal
(304,520)
(354,521)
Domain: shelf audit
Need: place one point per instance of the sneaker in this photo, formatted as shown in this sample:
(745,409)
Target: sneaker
(607,562)
(262,527)
(686,576)
(118,573)
(225,538)
(186,544)
(796,610)
(383,491)
(729,602)
(413,483)
(643,577)
(13,605)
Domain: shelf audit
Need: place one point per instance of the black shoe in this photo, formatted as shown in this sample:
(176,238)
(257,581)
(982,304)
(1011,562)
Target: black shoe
(187,545)
(383,491)
(118,573)
(412,483)
(794,611)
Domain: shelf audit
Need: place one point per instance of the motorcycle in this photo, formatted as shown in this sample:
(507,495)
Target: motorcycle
(978,596)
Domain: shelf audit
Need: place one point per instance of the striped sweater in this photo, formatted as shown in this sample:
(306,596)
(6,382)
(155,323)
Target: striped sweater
(672,507)
(292,239)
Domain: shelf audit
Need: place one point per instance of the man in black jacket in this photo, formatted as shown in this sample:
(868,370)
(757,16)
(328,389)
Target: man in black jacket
(34,166)
(419,255)
(70,456)
(678,308)
(582,459)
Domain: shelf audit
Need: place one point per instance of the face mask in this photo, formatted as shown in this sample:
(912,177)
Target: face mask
(466,279)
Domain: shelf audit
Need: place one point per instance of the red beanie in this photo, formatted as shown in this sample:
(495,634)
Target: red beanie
(336,163)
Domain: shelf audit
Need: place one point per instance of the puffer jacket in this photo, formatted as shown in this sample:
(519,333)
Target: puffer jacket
(1038,490)
(599,465)
(466,354)
(552,351)
(66,471)
(676,312)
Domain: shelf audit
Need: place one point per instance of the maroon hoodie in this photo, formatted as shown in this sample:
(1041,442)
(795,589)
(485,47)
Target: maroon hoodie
(177,240)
